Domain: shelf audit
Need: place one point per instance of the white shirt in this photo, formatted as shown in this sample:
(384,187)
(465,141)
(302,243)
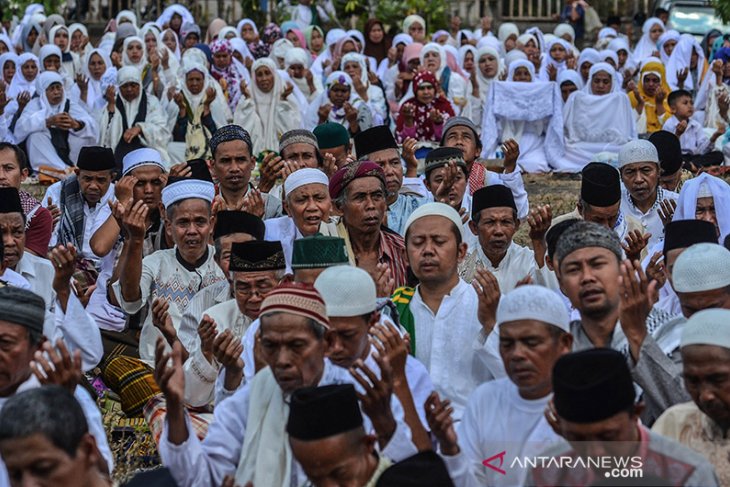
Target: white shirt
(498,419)
(93,217)
(200,375)
(93,420)
(452,345)
(202,464)
(694,140)
(650,221)
(517,263)
(14,279)
(163,276)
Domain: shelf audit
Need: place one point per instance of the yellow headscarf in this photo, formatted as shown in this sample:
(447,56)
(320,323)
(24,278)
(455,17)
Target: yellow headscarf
(653,122)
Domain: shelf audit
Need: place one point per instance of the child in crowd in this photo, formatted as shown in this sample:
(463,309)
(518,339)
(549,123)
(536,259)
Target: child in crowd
(697,148)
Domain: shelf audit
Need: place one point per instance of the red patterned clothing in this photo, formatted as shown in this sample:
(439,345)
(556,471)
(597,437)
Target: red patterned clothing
(391,251)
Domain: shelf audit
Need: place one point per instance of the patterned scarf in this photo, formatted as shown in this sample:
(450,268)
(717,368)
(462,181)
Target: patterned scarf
(229,78)
(71,229)
(424,125)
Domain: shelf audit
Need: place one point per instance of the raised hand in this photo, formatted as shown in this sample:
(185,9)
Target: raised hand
(436,116)
(324,112)
(350,113)
(170,376)
(124,188)
(253,203)
(287,91)
(384,282)
(488,294)
(408,113)
(135,220)
(228,350)
(329,164)
(375,401)
(552,72)
(682,76)
(207,332)
(131,133)
(634,243)
(511,150)
(636,297)
(681,128)
(388,342)
(57,366)
(181,170)
(110,96)
(440,421)
(271,168)
(666,210)
(451,173)
(540,219)
(162,321)
(210,95)
(655,269)
(408,154)
(244,89)
(55,211)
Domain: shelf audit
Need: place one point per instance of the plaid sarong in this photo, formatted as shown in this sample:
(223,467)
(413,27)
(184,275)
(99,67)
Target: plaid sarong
(132,380)
(156,409)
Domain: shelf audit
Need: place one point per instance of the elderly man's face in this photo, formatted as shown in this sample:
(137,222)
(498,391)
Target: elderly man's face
(603,215)
(350,339)
(345,460)
(705,210)
(232,165)
(303,154)
(495,229)
(694,302)
(190,226)
(35,460)
(706,370)
(16,353)
(529,350)
(389,160)
(432,249)
(364,205)
(589,278)
(641,180)
(290,347)
(13,234)
(308,206)
(250,289)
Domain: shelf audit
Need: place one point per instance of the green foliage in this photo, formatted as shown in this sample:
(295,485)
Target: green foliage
(722,7)
(17,7)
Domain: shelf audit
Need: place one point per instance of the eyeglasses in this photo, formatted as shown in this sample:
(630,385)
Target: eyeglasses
(248,291)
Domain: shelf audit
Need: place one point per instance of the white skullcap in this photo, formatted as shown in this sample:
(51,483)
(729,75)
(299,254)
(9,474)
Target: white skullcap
(304,176)
(532,302)
(707,327)
(637,151)
(704,191)
(436,209)
(702,267)
(141,157)
(187,189)
(346,291)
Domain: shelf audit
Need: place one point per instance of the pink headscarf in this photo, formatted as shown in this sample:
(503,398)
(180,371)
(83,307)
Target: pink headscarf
(300,36)
(411,51)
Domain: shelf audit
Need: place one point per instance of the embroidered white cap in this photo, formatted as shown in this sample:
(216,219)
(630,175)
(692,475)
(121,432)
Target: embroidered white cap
(346,291)
(187,189)
(435,209)
(637,151)
(707,327)
(304,176)
(532,302)
(702,267)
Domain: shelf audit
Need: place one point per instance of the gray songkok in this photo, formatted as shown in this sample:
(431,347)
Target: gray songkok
(22,307)
(587,234)
(461,122)
(228,133)
(298,136)
(637,151)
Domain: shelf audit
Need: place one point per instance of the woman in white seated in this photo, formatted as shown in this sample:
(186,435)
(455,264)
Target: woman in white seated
(54,127)
(598,118)
(355,65)
(528,111)
(268,108)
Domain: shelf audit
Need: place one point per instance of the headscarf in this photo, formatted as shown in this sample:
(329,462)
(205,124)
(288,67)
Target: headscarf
(464,33)
(214,28)
(279,50)
(4,58)
(297,55)
(621,44)
(463,50)
(691,190)
(66,53)
(607,32)
(452,60)
(705,44)
(359,38)
(411,51)
(339,46)
(646,47)
(512,56)
(95,91)
(272,33)
(570,76)
(606,68)
(47,51)
(73,28)
(223,34)
(422,122)
(27,28)
(246,22)
(172,10)
(129,74)
(337,114)
(681,58)
(190,28)
(669,35)
(588,55)
(266,103)
(506,30)
(229,76)
(562,29)
(43,81)
(521,63)
(218,109)
(239,45)
(160,40)
(127,14)
(401,38)
(125,57)
(548,60)
(412,19)
(482,80)
(50,22)
(607,54)
(433,47)
(378,51)
(438,34)
(19,84)
(308,37)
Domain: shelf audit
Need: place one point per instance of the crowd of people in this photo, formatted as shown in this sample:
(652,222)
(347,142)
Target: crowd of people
(293,254)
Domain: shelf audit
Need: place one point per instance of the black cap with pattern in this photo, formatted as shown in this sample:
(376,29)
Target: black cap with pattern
(321,412)
(257,255)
